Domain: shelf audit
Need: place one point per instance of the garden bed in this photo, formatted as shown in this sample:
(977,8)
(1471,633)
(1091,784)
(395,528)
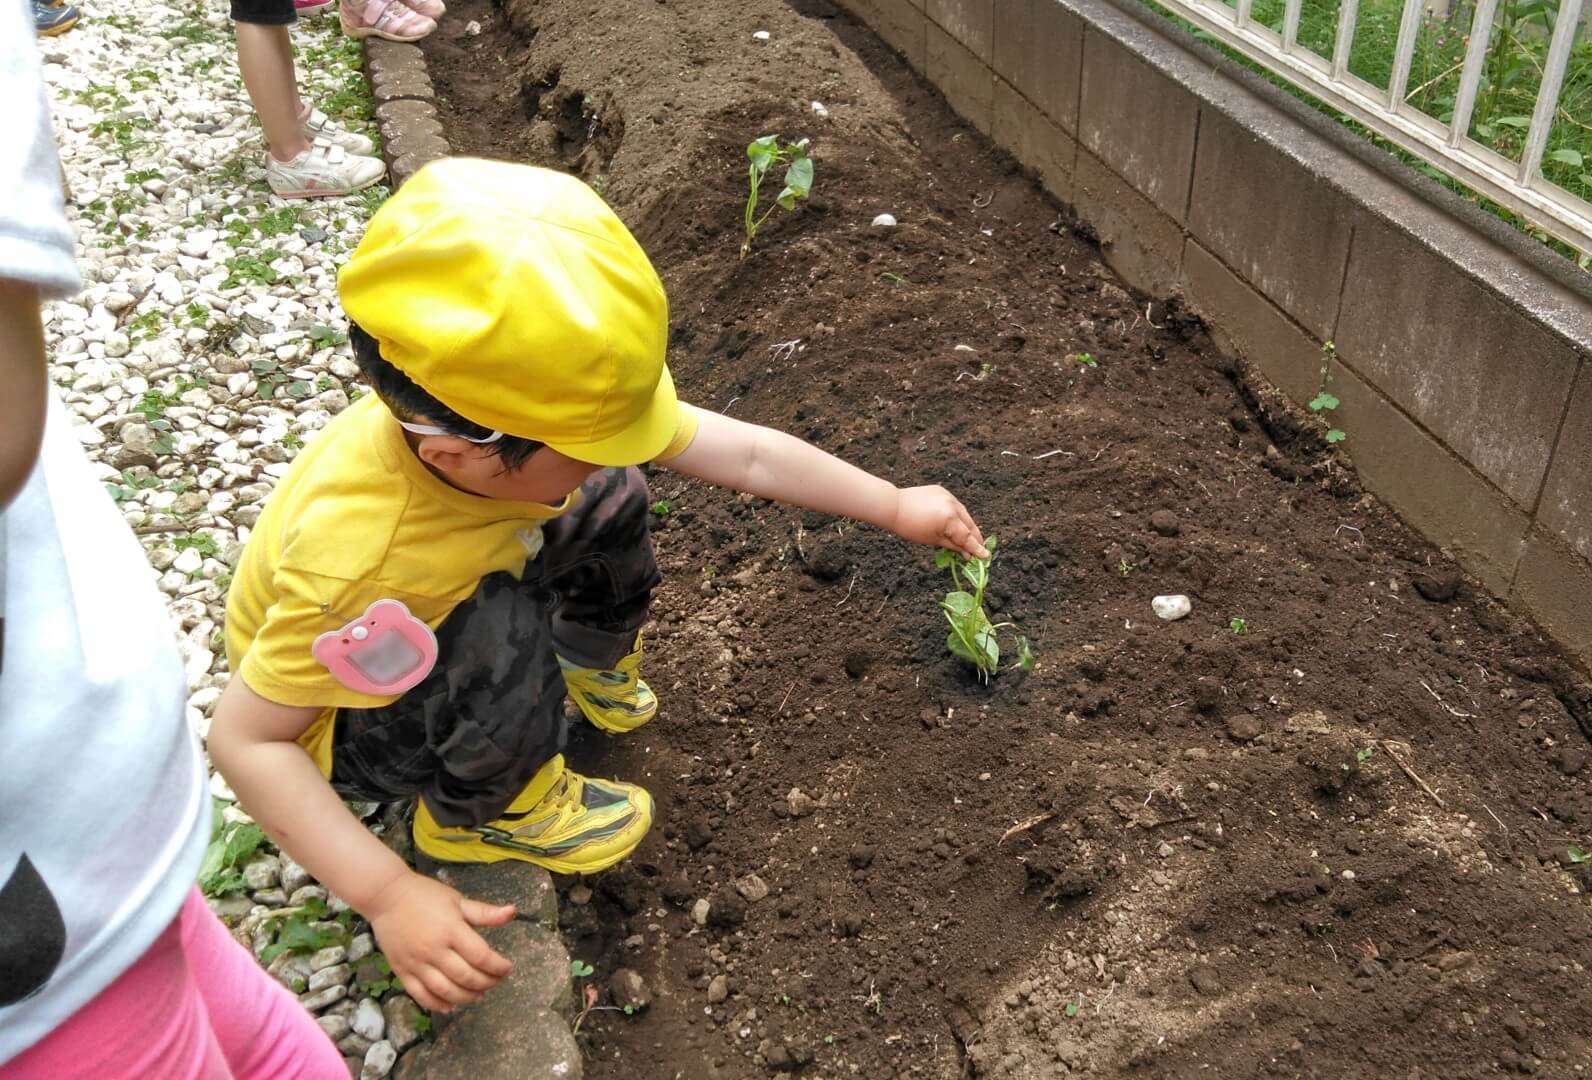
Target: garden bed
(1228,866)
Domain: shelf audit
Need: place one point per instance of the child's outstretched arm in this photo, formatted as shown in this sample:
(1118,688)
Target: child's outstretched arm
(775,465)
(424,927)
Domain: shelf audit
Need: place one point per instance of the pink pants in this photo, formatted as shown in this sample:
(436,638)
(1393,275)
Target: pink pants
(194,1007)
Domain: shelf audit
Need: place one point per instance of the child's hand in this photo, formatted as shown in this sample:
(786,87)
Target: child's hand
(932,515)
(424,928)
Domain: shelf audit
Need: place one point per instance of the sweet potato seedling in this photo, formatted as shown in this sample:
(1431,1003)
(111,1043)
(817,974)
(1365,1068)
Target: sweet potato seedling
(764,154)
(972,635)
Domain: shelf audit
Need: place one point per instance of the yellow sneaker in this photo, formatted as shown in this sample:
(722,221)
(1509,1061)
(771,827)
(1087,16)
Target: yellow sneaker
(615,700)
(569,823)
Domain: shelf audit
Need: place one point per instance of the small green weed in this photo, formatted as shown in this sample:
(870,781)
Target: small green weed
(764,153)
(1126,568)
(203,543)
(248,269)
(895,279)
(231,845)
(1325,402)
(1071,1010)
(661,508)
(131,484)
(1577,856)
(299,933)
(1238,625)
(972,635)
(580,969)
(325,337)
(154,403)
(1083,359)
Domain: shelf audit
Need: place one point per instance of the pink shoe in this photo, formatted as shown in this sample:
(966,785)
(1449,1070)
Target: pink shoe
(431,9)
(387,19)
(311,7)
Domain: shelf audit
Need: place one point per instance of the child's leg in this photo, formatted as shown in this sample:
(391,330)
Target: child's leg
(262,1030)
(597,562)
(265,59)
(149,1022)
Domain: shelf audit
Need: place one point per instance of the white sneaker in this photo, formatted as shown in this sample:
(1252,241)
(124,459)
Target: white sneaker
(317,125)
(322,170)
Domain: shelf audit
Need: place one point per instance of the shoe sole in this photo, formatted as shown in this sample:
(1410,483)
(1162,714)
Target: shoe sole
(55,31)
(326,193)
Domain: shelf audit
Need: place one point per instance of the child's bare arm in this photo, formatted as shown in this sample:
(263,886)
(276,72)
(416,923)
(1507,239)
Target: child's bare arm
(423,925)
(775,465)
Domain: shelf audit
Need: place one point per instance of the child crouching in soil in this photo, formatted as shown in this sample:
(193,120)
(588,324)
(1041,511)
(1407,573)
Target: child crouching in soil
(453,555)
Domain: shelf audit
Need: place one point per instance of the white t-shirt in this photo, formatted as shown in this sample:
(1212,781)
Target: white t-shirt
(104,814)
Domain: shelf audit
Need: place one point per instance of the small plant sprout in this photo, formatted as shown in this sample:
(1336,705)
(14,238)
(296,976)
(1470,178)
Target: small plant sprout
(1083,359)
(1578,857)
(1071,1010)
(972,635)
(1238,624)
(1364,754)
(579,969)
(661,508)
(1126,568)
(764,154)
(1325,402)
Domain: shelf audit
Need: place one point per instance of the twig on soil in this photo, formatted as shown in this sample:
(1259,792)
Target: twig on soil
(982,201)
(784,350)
(853,585)
(127,313)
(172,527)
(1465,716)
(1024,826)
(786,698)
(799,551)
(1501,825)
(1102,450)
(1010,453)
(1351,528)
(1152,322)
(1409,772)
(1053,453)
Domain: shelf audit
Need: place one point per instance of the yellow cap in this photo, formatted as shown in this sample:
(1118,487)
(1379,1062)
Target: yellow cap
(516,297)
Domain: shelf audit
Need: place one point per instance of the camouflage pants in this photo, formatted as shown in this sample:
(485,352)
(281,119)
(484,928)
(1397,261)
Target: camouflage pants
(470,737)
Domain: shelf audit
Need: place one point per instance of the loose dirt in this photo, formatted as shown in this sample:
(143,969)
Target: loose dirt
(1225,870)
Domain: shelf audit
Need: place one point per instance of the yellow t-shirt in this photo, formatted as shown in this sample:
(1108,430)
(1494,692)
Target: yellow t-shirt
(359,518)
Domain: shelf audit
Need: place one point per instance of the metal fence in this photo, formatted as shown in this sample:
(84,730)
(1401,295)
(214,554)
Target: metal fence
(1446,143)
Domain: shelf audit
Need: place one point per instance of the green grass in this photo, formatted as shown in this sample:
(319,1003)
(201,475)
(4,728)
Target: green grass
(1504,101)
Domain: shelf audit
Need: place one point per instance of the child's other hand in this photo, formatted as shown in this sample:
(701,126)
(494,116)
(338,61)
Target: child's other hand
(931,515)
(425,930)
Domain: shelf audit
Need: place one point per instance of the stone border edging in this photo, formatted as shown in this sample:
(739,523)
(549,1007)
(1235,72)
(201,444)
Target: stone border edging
(406,111)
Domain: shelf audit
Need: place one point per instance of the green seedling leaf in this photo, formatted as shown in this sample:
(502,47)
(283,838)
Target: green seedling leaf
(1025,654)
(1572,158)
(1071,1010)
(1520,122)
(1577,856)
(228,851)
(944,558)
(960,605)
(762,152)
(1324,400)
(799,177)
(579,968)
(1335,435)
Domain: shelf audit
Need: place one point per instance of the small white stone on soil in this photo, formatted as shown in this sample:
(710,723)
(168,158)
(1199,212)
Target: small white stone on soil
(330,956)
(362,946)
(472,28)
(368,1020)
(718,989)
(699,912)
(262,873)
(752,888)
(821,111)
(884,221)
(319,999)
(1171,608)
(336,975)
(761,35)
(379,1060)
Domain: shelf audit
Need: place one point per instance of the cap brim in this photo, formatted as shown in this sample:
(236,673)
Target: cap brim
(646,437)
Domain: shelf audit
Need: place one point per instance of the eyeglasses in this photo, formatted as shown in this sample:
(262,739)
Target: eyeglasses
(432,429)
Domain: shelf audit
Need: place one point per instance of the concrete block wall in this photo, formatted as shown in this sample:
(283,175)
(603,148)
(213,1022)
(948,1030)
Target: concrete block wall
(1465,349)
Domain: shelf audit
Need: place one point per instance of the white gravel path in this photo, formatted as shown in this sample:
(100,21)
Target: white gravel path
(206,349)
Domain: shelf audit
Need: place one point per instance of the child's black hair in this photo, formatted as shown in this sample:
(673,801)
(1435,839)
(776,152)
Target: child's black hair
(408,402)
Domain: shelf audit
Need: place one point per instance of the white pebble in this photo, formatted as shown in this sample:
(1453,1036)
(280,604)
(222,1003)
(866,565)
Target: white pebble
(379,1060)
(1173,607)
(368,1020)
(884,221)
(761,35)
